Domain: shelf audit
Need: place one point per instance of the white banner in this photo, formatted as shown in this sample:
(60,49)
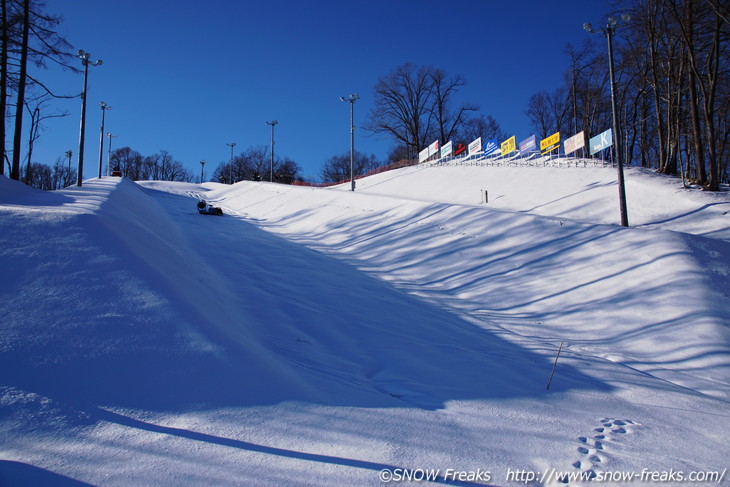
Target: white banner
(433,148)
(447,149)
(574,143)
(423,155)
(475,147)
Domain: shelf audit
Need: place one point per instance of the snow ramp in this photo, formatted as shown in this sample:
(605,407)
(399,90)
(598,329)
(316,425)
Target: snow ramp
(650,299)
(124,296)
(103,303)
(324,337)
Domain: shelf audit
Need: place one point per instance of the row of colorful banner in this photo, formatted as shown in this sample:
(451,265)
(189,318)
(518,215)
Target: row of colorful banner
(551,143)
(547,145)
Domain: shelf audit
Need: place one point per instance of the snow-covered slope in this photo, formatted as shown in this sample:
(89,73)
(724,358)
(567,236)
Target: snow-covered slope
(586,193)
(324,337)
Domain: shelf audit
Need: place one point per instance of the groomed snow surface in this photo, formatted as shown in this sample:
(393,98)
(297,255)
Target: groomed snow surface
(407,330)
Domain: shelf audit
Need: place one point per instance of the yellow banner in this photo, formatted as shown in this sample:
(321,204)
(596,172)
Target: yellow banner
(509,145)
(550,141)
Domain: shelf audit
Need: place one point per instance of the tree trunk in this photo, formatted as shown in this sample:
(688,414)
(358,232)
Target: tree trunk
(713,62)
(693,105)
(3,80)
(20,104)
(651,33)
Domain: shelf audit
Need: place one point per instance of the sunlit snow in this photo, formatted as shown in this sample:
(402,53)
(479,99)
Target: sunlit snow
(319,336)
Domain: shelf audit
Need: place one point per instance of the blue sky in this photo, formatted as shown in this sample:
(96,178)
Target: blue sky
(191,76)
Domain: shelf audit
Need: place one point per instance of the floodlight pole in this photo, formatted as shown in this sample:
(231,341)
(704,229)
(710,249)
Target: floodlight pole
(230,164)
(351,98)
(68,155)
(609,30)
(202,167)
(109,154)
(104,108)
(273,124)
(84,56)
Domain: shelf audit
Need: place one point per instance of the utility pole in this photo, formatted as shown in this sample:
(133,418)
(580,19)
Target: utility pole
(608,31)
(273,124)
(68,177)
(351,98)
(84,56)
(109,154)
(230,164)
(104,108)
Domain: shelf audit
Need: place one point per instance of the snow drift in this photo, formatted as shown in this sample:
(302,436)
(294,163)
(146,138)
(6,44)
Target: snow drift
(319,336)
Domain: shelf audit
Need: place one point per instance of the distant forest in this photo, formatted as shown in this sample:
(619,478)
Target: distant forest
(672,87)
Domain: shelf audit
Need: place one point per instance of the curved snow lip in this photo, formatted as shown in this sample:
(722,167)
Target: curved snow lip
(144,304)
(650,296)
(318,337)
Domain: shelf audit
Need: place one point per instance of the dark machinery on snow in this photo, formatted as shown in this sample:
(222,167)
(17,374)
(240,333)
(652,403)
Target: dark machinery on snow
(206,209)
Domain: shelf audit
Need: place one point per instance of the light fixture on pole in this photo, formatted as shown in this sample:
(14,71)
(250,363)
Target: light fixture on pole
(351,98)
(84,56)
(109,154)
(608,31)
(272,123)
(104,108)
(230,164)
(202,167)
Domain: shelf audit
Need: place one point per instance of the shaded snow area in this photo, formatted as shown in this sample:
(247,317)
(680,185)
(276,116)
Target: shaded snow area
(403,333)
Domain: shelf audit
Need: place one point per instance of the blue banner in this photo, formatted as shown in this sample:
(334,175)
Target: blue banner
(492,146)
(528,145)
(601,141)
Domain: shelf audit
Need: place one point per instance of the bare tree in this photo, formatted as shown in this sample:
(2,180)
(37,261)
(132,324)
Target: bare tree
(20,103)
(549,112)
(337,168)
(128,161)
(27,35)
(443,90)
(254,164)
(673,89)
(286,171)
(702,36)
(37,116)
(482,126)
(5,40)
(258,160)
(399,152)
(722,9)
(403,106)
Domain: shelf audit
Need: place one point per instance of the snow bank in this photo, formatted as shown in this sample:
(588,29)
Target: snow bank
(598,287)
(322,337)
(587,194)
(123,308)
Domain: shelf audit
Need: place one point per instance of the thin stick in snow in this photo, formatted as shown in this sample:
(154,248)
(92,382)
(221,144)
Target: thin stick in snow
(554,365)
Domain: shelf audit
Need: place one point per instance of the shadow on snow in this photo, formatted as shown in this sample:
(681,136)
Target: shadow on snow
(169,310)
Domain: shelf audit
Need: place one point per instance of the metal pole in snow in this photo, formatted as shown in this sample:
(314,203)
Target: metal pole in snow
(230,163)
(84,56)
(617,139)
(104,108)
(271,174)
(109,154)
(351,98)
